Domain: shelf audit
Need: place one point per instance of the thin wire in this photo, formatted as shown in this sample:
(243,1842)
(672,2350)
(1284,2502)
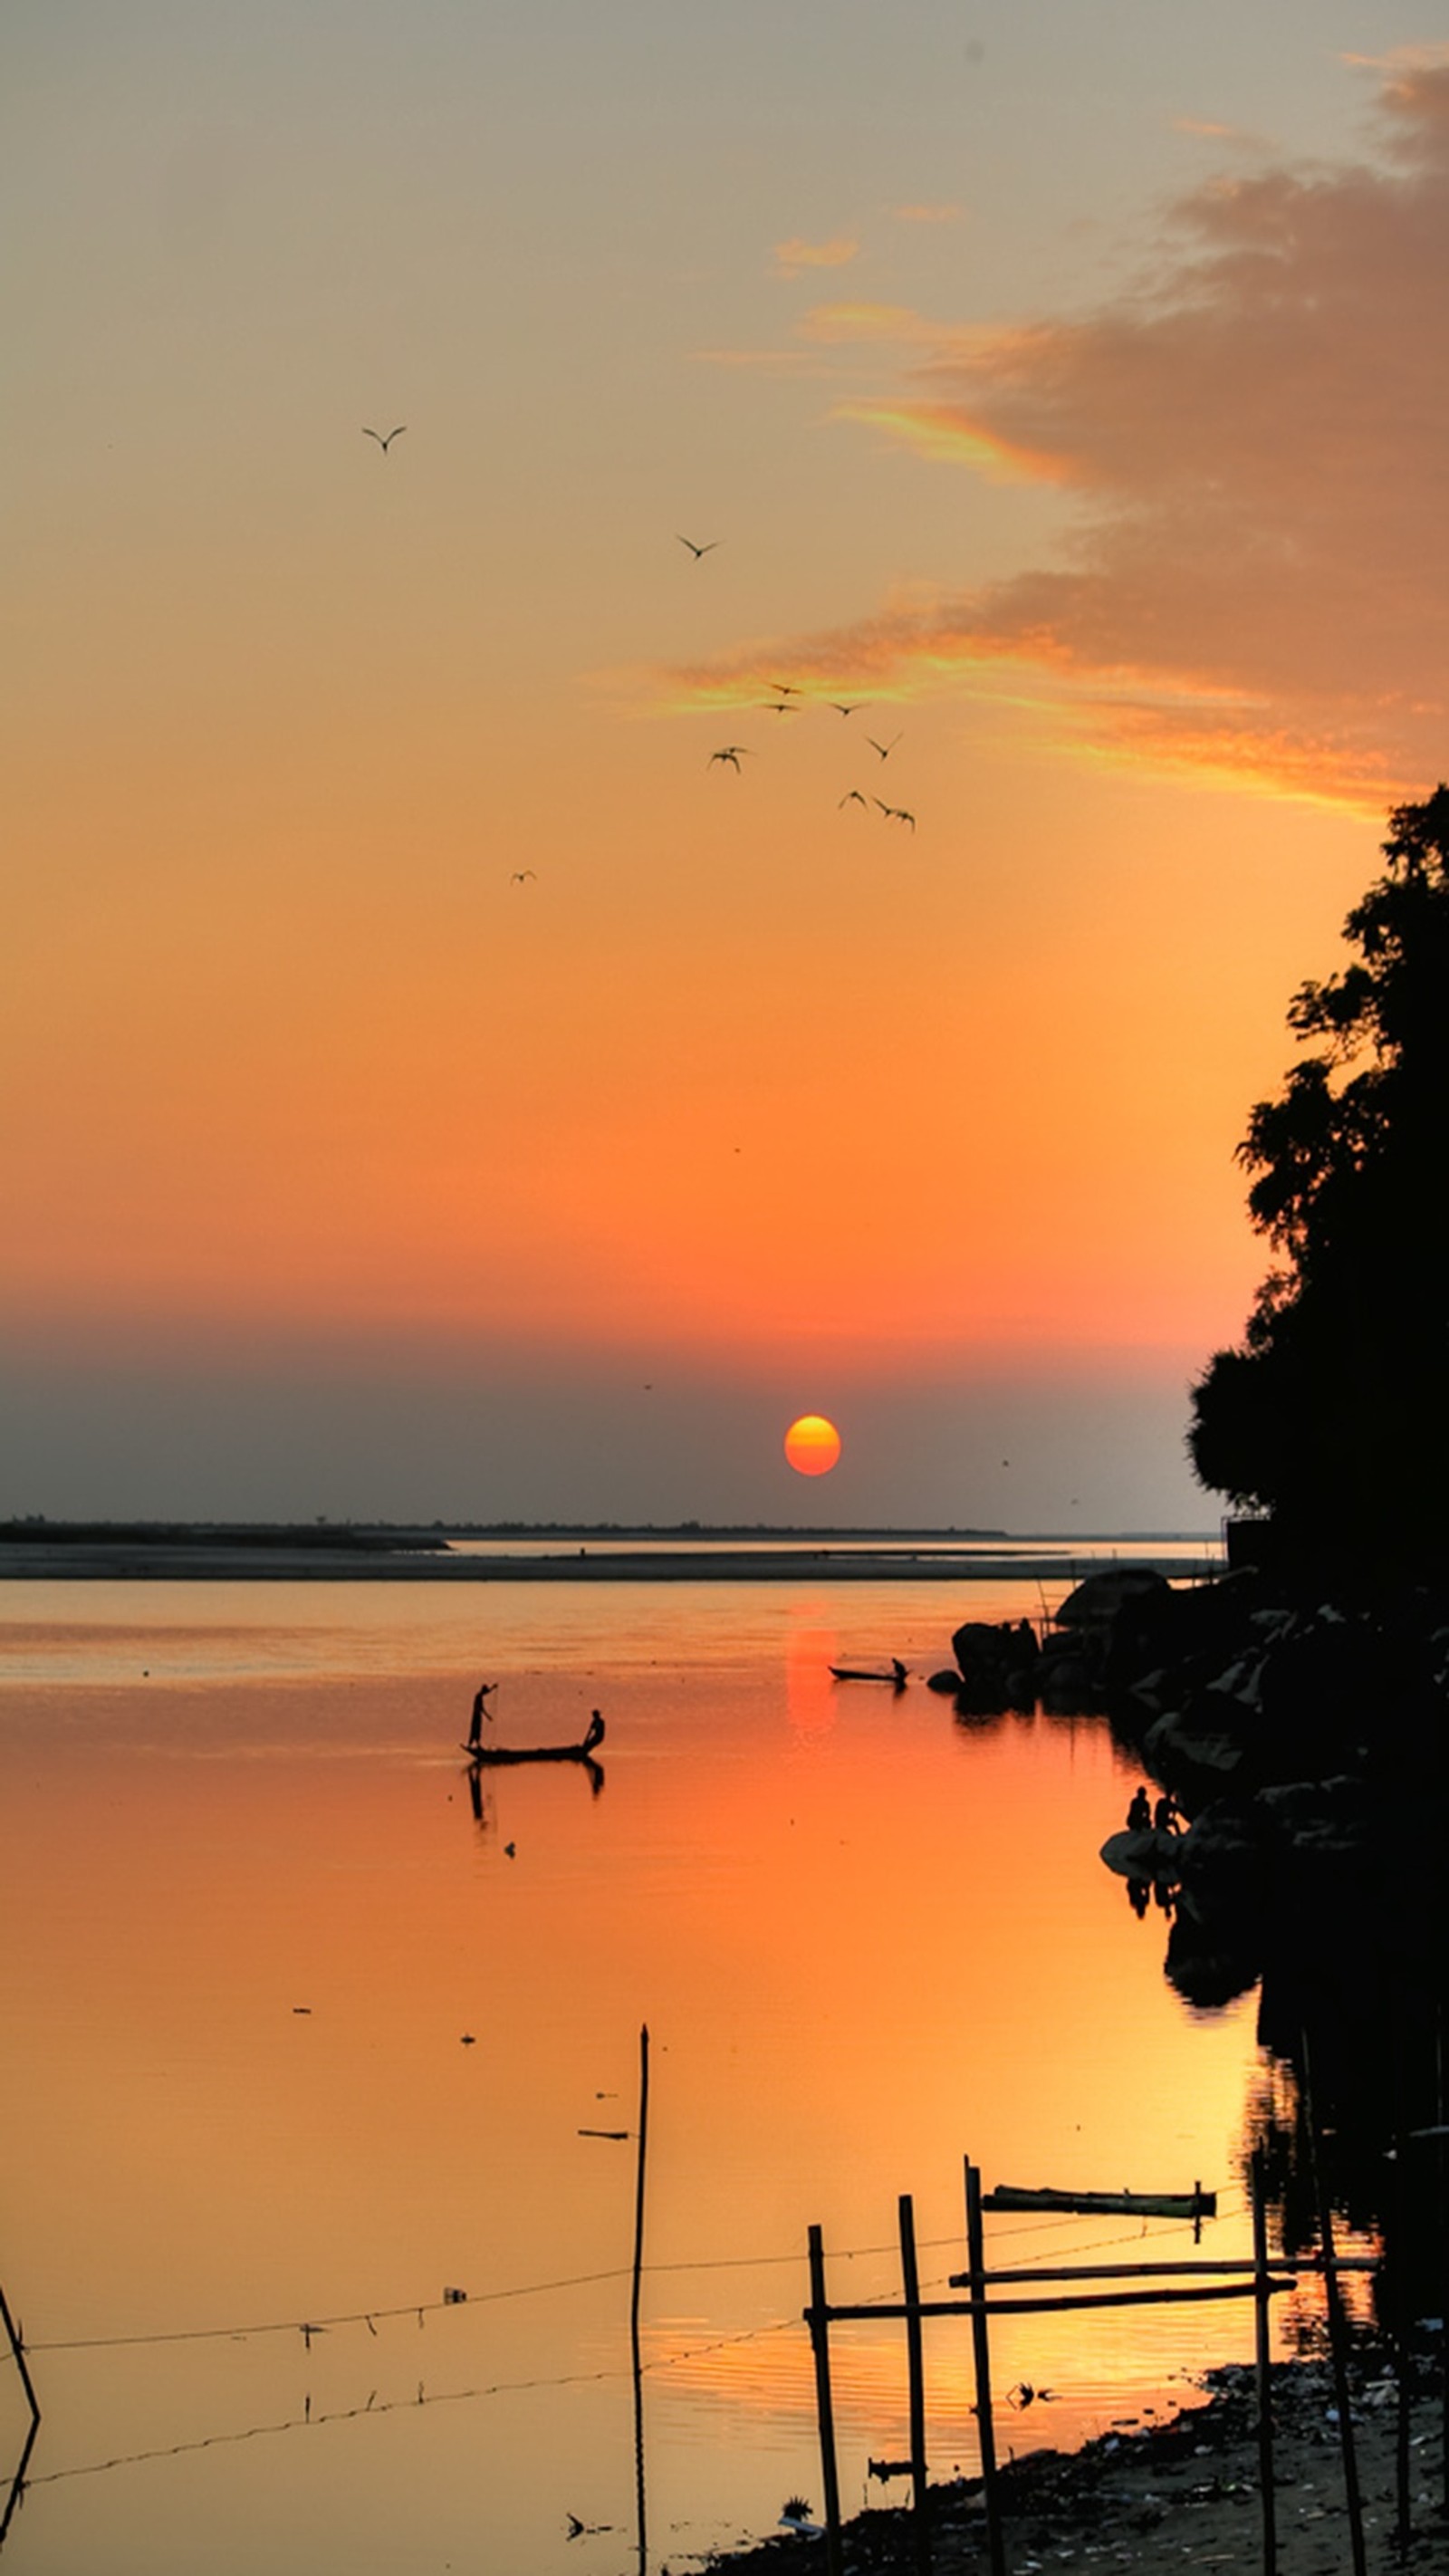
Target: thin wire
(539,2289)
(396,2405)
(321,2325)
(433,2307)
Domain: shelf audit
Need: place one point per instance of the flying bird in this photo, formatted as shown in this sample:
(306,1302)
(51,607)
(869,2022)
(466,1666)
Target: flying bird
(785,688)
(731,753)
(897,814)
(697,551)
(781,707)
(850,710)
(853,796)
(521,876)
(385,443)
(884,748)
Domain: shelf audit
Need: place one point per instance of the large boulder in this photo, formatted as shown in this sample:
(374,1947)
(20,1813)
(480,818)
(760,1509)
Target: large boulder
(1100,1598)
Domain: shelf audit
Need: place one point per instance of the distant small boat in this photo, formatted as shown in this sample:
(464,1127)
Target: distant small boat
(897,1676)
(497,1756)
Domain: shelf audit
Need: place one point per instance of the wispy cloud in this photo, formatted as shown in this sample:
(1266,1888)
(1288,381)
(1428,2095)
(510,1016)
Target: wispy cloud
(793,258)
(846,325)
(937,430)
(950,214)
(1258,581)
(1236,138)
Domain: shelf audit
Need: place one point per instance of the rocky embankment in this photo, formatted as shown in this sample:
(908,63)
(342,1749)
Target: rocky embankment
(1305,1741)
(1275,1720)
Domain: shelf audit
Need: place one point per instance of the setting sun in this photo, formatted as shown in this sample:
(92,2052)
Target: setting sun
(812,1445)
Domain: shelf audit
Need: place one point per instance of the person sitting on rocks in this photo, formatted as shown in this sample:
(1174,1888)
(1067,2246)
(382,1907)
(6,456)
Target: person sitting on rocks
(1165,1816)
(1139,1814)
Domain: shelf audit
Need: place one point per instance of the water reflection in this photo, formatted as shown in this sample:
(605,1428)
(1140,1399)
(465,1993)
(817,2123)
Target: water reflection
(1311,1895)
(15,2491)
(815,1895)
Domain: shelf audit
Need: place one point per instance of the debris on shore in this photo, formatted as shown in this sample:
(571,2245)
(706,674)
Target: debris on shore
(1184,2493)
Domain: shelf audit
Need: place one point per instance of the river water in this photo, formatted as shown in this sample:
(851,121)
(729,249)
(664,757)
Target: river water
(300,2038)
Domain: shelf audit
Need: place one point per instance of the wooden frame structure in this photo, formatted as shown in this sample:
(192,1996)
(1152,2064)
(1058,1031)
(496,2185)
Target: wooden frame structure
(1188,2281)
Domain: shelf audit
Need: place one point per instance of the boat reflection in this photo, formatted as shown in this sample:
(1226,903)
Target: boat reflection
(504,1757)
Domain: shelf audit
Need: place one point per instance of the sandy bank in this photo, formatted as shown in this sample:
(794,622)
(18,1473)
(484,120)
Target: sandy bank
(130,1562)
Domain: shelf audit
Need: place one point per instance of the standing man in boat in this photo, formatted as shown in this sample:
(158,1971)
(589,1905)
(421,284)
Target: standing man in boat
(475,1723)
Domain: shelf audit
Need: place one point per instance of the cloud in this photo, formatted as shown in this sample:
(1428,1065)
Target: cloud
(1253,440)
(845,325)
(936,430)
(928,214)
(1237,138)
(793,257)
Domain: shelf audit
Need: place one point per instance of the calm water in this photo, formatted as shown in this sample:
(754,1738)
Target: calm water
(250,1915)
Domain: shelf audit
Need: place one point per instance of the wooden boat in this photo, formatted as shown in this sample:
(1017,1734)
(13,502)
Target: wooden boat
(1196,2203)
(1140,1851)
(897,1676)
(498,1756)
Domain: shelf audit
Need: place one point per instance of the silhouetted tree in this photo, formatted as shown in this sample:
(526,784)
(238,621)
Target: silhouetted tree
(1334,1413)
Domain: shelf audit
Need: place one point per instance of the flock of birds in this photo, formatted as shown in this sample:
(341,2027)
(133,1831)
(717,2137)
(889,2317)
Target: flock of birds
(790,699)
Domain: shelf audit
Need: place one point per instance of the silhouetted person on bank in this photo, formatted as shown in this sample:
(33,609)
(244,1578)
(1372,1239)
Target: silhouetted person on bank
(1165,1817)
(1139,1814)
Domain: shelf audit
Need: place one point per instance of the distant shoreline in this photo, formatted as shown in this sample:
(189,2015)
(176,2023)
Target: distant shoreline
(214,1560)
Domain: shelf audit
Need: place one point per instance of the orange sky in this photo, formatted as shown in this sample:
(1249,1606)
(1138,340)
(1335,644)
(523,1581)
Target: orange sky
(387,957)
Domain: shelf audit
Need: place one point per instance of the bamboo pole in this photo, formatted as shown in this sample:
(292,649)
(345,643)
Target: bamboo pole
(1337,2326)
(981,2355)
(915,2367)
(635,2346)
(1398,2215)
(1441,2158)
(1263,2358)
(817,2317)
(858,2314)
(1294,2263)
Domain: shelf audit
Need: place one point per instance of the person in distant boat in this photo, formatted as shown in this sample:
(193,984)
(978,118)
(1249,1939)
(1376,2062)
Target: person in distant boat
(475,1723)
(900,1671)
(1165,1816)
(1139,1814)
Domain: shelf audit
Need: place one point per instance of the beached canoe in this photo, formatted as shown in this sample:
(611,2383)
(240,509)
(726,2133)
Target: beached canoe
(1196,2203)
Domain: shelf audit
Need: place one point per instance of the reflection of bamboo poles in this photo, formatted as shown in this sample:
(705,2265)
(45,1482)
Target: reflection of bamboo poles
(16,2342)
(17,2483)
(634,2300)
(1337,2323)
(1263,2358)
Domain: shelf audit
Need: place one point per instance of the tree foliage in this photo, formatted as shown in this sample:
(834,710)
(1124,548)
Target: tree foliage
(1334,1411)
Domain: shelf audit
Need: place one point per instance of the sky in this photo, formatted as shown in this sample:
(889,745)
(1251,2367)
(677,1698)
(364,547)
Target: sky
(436,1086)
